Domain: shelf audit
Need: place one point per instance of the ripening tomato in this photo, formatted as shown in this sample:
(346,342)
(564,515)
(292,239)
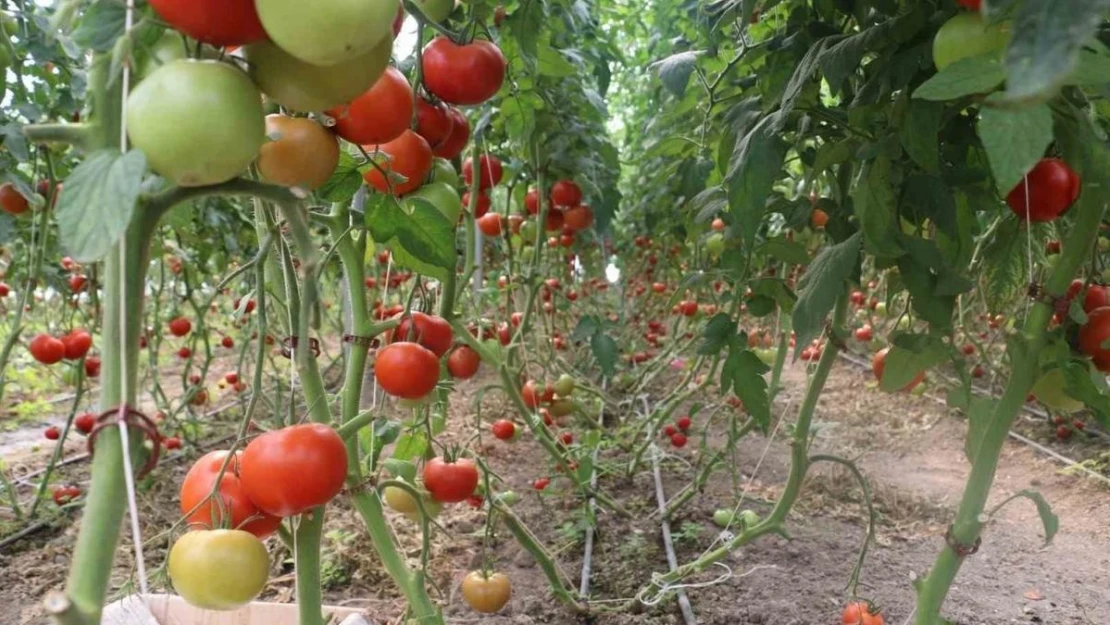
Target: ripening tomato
(503,429)
(433,122)
(47,349)
(218,22)
(77,344)
(378,116)
(218,569)
(878,365)
(430,331)
(1046,192)
(532,395)
(578,218)
(864,334)
(11,200)
(292,470)
(407,370)
(489,167)
(860,613)
(565,193)
(408,155)
(300,86)
(198,122)
(486,593)
(450,481)
(490,225)
(456,141)
(179,326)
(463,363)
(234,511)
(718,225)
(466,74)
(300,153)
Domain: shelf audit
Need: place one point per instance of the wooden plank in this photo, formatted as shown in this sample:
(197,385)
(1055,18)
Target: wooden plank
(173,610)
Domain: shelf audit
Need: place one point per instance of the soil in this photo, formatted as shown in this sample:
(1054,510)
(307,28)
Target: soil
(910,449)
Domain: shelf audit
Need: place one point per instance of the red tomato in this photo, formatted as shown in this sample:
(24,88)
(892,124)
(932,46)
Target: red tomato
(450,482)
(503,429)
(490,224)
(52,433)
(864,334)
(77,282)
(180,326)
(1097,297)
(490,168)
(85,423)
(541,483)
(860,613)
(77,344)
(684,422)
(236,508)
(974,5)
(579,218)
(430,331)
(294,469)
(532,201)
(678,440)
(408,156)
(878,365)
(92,367)
(468,74)
(463,363)
(65,494)
(407,370)
(184,353)
(530,394)
(483,206)
(4,289)
(1093,334)
(718,225)
(11,200)
(554,219)
(433,122)
(380,114)
(47,349)
(1046,192)
(227,342)
(459,136)
(565,193)
(218,22)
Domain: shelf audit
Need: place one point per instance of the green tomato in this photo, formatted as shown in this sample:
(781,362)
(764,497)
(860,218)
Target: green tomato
(442,196)
(198,122)
(715,244)
(565,385)
(327,32)
(722,517)
(508,497)
(905,322)
(527,254)
(443,171)
(1105,276)
(1051,390)
(528,231)
(748,519)
(880,309)
(169,48)
(218,569)
(436,10)
(920,389)
(301,86)
(431,506)
(767,355)
(967,35)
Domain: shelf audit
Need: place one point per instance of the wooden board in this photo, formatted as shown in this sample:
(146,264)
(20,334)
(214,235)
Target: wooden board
(172,610)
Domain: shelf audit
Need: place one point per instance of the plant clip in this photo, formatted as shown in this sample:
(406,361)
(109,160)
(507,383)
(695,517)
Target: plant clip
(290,342)
(834,340)
(365,341)
(962,550)
(134,418)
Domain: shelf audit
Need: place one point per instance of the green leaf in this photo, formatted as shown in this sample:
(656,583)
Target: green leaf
(1015,139)
(929,197)
(720,329)
(775,290)
(411,445)
(819,287)
(1046,45)
(551,62)
(790,252)
(875,205)
(923,287)
(605,350)
(423,240)
(675,71)
(918,133)
(1084,385)
(402,469)
(841,59)
(518,113)
(345,181)
(803,74)
(587,327)
(99,201)
(101,25)
(743,372)
(1092,70)
(755,166)
(1049,519)
(970,76)
(708,204)
(7,227)
(978,419)
(909,356)
(383,216)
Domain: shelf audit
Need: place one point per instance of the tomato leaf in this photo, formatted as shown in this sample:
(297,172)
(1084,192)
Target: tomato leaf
(1089,388)
(970,76)
(755,166)
(587,327)
(101,25)
(605,350)
(841,59)
(98,202)
(675,71)
(787,251)
(918,133)
(1046,44)
(345,181)
(411,445)
(717,334)
(1015,140)
(402,469)
(743,373)
(1049,519)
(821,285)
(775,290)
(875,205)
(924,288)
(910,355)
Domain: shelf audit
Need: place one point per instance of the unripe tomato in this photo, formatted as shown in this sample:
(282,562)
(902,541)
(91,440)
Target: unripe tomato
(198,122)
(967,35)
(47,349)
(466,74)
(442,196)
(301,153)
(327,32)
(407,370)
(486,593)
(409,156)
(218,569)
(380,114)
(1046,192)
(218,22)
(436,10)
(292,470)
(301,86)
(450,482)
(235,509)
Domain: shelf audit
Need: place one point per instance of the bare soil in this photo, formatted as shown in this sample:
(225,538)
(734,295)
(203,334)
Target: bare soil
(910,449)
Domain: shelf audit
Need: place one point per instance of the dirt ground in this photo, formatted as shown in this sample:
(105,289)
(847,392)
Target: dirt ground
(909,448)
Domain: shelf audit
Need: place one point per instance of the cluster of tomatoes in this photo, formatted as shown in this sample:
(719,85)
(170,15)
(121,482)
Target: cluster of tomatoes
(677,432)
(74,345)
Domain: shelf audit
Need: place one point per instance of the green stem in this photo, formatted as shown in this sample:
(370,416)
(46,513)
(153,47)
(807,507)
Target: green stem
(306,541)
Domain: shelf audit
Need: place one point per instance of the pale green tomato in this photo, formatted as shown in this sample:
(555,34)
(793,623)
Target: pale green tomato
(218,569)
(905,322)
(715,244)
(304,87)
(722,517)
(748,519)
(443,171)
(565,385)
(442,196)
(880,309)
(436,10)
(920,389)
(1103,244)
(528,231)
(327,32)
(767,355)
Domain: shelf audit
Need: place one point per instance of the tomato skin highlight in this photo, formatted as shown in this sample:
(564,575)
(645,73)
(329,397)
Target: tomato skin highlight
(465,75)
(218,22)
(1046,192)
(292,470)
(236,508)
(450,482)
(218,569)
(407,370)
